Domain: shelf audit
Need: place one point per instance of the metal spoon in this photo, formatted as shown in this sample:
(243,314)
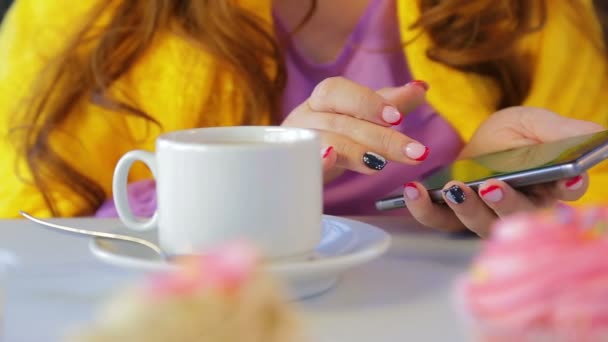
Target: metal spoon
(85,232)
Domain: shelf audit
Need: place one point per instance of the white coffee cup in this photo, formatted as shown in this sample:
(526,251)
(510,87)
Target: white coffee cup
(261,184)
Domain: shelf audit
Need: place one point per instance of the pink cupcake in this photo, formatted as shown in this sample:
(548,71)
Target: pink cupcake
(541,277)
(222,296)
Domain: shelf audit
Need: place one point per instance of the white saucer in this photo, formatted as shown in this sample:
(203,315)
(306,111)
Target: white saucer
(345,243)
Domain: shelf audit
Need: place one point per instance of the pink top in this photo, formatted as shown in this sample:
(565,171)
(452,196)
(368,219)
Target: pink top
(373,56)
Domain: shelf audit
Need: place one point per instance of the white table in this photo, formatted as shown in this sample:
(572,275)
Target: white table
(404,295)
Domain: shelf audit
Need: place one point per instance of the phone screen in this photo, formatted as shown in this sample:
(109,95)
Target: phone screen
(515,160)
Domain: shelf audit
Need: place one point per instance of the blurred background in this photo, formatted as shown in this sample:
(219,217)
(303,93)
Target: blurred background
(3,7)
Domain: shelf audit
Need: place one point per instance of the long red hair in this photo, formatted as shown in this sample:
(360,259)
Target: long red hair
(477,36)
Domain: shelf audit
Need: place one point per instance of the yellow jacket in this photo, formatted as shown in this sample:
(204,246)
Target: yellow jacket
(570,78)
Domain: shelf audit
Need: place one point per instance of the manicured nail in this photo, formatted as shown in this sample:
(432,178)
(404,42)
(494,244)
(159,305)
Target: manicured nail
(411,191)
(391,115)
(492,194)
(325,152)
(455,194)
(417,151)
(419,83)
(574,183)
(374,161)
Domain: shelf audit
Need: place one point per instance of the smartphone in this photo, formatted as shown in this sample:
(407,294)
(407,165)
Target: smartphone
(518,167)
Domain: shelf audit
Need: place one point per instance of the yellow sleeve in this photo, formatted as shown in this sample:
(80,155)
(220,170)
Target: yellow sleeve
(571,76)
(173,82)
(19,34)
(33,32)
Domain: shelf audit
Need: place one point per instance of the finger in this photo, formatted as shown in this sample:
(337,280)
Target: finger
(469,208)
(407,97)
(353,156)
(330,170)
(573,188)
(389,143)
(560,128)
(540,194)
(329,158)
(428,213)
(503,199)
(342,96)
(544,195)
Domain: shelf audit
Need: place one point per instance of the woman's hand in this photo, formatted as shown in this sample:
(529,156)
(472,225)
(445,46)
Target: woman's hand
(355,125)
(509,128)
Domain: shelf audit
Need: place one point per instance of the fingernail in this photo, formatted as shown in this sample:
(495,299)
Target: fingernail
(417,151)
(455,194)
(411,191)
(419,83)
(391,115)
(325,152)
(374,161)
(492,194)
(574,183)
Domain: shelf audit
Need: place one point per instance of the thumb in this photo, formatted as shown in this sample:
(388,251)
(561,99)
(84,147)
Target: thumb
(406,97)
(557,127)
(542,125)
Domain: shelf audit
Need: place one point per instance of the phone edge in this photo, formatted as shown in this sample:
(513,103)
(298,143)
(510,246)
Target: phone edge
(556,172)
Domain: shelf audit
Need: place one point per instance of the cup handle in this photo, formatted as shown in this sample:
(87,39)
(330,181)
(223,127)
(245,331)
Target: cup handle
(119,187)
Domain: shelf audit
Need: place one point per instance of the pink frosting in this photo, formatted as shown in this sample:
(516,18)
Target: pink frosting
(225,269)
(546,271)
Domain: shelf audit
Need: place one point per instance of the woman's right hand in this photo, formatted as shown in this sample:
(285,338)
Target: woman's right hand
(355,125)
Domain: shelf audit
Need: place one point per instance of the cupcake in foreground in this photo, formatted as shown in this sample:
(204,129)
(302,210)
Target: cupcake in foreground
(222,296)
(541,277)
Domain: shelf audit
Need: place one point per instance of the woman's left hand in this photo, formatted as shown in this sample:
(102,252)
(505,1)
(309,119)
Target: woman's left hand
(509,128)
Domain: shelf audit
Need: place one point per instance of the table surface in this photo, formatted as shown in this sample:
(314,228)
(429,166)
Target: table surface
(59,285)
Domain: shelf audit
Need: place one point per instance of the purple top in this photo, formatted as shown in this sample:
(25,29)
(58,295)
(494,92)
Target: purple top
(373,56)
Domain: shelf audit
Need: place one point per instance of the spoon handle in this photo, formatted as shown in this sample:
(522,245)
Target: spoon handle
(85,232)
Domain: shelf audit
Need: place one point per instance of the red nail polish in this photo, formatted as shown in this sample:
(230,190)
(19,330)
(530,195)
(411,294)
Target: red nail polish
(573,181)
(492,194)
(327,151)
(488,190)
(391,115)
(410,191)
(409,185)
(426,153)
(421,84)
(398,121)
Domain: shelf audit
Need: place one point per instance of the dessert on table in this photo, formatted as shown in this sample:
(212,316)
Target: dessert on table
(541,276)
(223,295)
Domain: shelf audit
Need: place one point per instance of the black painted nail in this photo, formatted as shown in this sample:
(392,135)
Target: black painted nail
(374,161)
(455,194)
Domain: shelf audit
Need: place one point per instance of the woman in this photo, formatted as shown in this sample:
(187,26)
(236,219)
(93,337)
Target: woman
(83,83)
